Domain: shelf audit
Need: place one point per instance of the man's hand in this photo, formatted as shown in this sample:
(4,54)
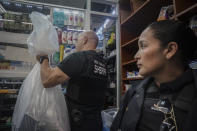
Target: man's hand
(38,57)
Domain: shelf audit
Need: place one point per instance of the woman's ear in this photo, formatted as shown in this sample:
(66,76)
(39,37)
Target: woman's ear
(171,50)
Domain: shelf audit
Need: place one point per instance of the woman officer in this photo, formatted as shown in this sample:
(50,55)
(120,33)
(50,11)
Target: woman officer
(166,99)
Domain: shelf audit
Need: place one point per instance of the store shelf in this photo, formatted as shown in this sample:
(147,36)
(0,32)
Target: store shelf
(13,74)
(129,62)
(134,41)
(134,78)
(13,38)
(187,13)
(14,44)
(135,13)
(8,91)
(150,8)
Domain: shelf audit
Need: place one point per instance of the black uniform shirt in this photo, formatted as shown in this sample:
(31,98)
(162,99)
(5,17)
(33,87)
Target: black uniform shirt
(87,70)
(151,119)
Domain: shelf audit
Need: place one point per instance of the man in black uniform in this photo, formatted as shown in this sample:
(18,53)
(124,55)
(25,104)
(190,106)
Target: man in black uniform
(85,71)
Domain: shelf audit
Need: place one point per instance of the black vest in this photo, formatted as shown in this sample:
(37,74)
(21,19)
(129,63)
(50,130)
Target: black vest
(130,109)
(89,88)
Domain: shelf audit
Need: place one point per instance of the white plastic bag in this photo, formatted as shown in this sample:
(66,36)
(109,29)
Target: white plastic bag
(38,108)
(108,117)
(43,39)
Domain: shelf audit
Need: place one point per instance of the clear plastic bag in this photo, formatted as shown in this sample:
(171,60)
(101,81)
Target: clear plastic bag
(108,117)
(38,108)
(43,39)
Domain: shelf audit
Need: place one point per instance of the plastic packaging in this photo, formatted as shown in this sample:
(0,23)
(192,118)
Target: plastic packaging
(166,13)
(71,19)
(70,37)
(64,37)
(108,117)
(75,37)
(81,20)
(43,39)
(38,108)
(66,18)
(61,52)
(67,51)
(76,19)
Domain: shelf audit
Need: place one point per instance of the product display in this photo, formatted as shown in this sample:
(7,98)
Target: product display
(64,37)
(61,52)
(9,88)
(70,37)
(132,74)
(166,12)
(64,17)
(69,24)
(19,23)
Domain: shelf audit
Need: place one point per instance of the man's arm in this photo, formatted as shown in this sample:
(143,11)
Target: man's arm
(52,76)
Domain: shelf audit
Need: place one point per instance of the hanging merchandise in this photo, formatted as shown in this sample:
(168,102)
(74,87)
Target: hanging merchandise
(66,18)
(61,19)
(76,19)
(64,37)
(59,33)
(56,58)
(38,108)
(70,35)
(71,19)
(112,39)
(75,37)
(81,20)
(67,51)
(73,49)
(61,52)
(55,17)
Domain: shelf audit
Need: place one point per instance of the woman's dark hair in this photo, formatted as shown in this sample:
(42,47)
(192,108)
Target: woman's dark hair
(175,31)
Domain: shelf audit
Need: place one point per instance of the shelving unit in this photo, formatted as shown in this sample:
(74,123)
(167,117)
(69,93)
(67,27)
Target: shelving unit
(185,13)
(13,74)
(133,22)
(8,91)
(134,78)
(18,38)
(9,88)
